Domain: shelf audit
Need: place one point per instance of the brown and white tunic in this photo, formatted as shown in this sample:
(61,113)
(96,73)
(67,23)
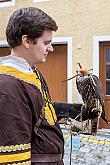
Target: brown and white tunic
(23,137)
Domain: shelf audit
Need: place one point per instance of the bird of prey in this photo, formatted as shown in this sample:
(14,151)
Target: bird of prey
(90,89)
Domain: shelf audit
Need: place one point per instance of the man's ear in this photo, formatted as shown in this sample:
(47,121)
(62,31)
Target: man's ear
(26,41)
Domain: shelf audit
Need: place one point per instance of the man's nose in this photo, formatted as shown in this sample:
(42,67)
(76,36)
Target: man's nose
(50,48)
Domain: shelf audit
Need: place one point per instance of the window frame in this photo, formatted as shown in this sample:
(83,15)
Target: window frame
(40,0)
(7,3)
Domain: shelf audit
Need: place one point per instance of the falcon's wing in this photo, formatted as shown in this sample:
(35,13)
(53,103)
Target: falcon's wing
(98,89)
(99,92)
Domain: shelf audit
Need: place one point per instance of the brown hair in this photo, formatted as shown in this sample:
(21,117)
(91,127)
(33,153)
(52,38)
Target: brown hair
(29,21)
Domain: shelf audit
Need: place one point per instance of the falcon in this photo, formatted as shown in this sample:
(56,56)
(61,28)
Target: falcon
(90,89)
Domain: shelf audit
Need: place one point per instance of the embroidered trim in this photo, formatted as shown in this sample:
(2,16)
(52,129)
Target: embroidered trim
(49,110)
(15,157)
(29,78)
(15,148)
(50,114)
(23,163)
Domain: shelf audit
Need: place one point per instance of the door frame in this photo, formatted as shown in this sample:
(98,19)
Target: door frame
(96,54)
(96,41)
(68,42)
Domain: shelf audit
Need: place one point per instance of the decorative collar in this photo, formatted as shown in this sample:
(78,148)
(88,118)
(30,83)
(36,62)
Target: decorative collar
(16,62)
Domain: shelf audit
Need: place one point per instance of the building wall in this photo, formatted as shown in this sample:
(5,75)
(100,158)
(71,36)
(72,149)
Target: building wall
(79,19)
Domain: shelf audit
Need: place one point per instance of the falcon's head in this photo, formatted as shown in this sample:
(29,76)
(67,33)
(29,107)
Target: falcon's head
(82,71)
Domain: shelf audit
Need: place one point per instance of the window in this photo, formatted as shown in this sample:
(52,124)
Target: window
(4,3)
(108,71)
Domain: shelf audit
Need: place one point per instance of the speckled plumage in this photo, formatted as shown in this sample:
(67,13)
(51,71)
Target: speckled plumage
(90,89)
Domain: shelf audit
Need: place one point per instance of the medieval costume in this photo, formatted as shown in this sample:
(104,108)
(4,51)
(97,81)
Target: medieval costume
(29,132)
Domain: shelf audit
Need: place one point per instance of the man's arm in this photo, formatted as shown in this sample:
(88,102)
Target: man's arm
(15,130)
(72,111)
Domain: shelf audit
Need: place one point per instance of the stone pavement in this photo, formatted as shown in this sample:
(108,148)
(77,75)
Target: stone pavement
(87,149)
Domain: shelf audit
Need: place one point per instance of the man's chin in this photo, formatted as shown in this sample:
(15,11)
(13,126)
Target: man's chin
(44,60)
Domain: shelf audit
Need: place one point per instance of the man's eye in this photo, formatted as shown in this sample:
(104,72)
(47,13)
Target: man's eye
(47,43)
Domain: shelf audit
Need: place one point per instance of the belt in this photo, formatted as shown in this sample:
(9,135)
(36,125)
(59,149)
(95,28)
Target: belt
(46,158)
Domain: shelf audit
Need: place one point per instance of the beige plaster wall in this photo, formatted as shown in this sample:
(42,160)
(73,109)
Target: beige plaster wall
(79,19)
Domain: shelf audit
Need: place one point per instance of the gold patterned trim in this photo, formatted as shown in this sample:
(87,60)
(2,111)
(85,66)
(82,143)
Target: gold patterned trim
(15,157)
(50,115)
(23,163)
(15,147)
(29,78)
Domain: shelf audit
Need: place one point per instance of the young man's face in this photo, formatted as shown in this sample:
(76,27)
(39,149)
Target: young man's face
(40,50)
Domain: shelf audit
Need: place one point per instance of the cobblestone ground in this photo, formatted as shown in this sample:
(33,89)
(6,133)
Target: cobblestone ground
(87,149)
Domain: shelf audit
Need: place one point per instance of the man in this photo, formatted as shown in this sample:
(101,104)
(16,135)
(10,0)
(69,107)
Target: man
(29,132)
